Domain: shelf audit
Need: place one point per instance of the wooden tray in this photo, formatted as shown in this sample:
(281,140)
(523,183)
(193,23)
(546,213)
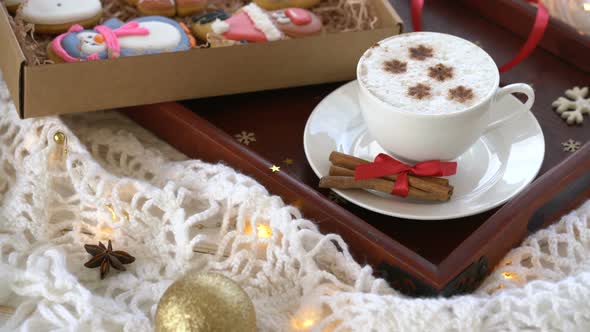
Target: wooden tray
(420,258)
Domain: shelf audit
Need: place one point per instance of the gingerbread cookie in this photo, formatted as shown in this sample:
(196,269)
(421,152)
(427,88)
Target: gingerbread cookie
(282,4)
(253,24)
(169,8)
(12,5)
(56,16)
(113,39)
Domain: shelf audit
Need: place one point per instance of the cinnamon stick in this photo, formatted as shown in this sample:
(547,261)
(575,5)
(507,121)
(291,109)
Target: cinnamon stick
(381,185)
(428,184)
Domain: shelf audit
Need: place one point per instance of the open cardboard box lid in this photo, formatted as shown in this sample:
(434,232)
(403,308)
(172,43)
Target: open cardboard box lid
(96,85)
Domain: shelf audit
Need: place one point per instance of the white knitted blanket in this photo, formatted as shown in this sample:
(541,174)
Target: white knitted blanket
(167,210)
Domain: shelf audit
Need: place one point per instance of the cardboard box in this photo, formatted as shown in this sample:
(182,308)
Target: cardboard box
(95,85)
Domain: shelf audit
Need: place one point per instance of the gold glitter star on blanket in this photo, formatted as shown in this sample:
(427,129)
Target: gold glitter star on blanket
(571,145)
(275,168)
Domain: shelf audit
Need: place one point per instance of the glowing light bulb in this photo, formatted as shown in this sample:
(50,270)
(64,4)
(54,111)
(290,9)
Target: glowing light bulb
(104,232)
(303,324)
(305,320)
(263,231)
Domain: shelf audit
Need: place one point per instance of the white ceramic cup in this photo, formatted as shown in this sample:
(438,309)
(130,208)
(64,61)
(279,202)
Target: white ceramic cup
(415,136)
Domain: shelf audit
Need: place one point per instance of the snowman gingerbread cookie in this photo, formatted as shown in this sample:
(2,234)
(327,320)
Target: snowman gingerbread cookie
(169,8)
(56,16)
(253,24)
(113,39)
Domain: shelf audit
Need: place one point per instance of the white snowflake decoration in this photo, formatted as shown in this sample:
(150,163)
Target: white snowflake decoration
(571,146)
(245,137)
(579,104)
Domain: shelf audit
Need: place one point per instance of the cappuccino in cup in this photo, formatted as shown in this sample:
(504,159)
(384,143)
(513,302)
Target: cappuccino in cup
(428,96)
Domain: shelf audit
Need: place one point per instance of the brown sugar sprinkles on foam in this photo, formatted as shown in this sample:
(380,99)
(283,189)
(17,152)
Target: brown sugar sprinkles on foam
(420,91)
(441,72)
(395,66)
(461,94)
(434,65)
(421,52)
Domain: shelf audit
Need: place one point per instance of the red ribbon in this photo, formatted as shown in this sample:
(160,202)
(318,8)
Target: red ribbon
(384,165)
(539,27)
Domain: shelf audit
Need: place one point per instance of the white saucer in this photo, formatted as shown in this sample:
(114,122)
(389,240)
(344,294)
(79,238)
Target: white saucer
(496,168)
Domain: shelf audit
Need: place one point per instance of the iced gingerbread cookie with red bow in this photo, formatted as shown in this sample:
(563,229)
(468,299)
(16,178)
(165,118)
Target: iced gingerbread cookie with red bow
(283,4)
(56,16)
(253,24)
(169,8)
(113,39)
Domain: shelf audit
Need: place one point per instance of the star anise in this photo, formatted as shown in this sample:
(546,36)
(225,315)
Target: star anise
(395,66)
(460,94)
(421,52)
(105,257)
(440,72)
(419,91)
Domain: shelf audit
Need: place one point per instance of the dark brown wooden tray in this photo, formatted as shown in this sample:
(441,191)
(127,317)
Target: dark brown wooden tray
(418,257)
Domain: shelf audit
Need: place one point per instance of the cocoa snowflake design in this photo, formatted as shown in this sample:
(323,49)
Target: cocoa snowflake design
(395,66)
(440,72)
(571,146)
(461,94)
(245,137)
(421,52)
(419,91)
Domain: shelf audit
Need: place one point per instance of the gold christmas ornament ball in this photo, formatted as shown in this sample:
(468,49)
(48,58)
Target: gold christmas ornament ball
(205,302)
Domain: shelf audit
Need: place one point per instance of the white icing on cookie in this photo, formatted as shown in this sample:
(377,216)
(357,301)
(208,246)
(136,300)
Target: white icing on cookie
(162,36)
(55,12)
(219,26)
(91,42)
(281,17)
(10,3)
(263,22)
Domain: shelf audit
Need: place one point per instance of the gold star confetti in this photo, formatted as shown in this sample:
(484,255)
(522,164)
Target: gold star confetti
(275,168)
(335,198)
(509,275)
(245,137)
(571,145)
(288,161)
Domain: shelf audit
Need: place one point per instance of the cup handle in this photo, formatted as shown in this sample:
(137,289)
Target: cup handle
(510,89)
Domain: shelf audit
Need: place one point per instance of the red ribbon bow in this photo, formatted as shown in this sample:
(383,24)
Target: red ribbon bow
(541,21)
(384,165)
